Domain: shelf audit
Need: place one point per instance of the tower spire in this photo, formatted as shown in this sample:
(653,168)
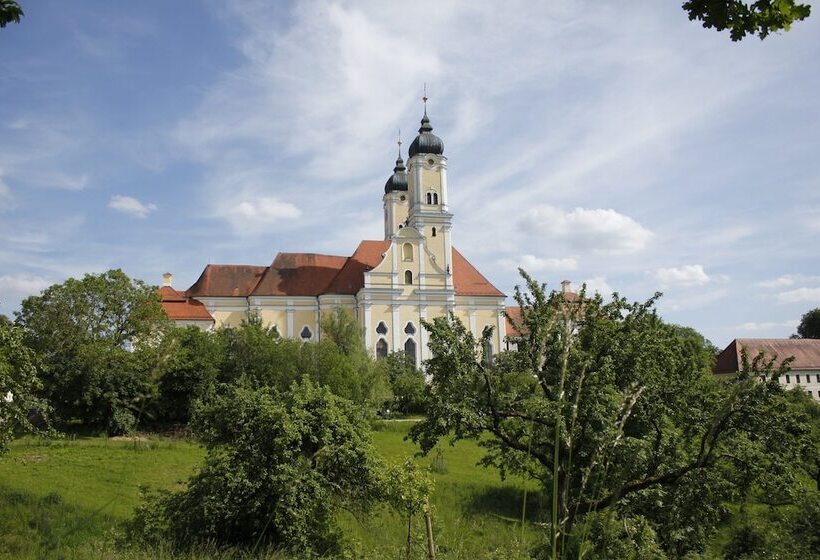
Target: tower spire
(424,99)
(398,141)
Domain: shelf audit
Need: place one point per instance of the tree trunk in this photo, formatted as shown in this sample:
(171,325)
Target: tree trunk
(428,520)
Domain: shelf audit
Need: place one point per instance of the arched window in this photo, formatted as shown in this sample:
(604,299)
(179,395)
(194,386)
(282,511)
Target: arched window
(409,328)
(381,348)
(407,252)
(306,334)
(488,352)
(410,350)
(429,198)
(434,232)
(382,328)
(435,198)
(401,226)
(408,277)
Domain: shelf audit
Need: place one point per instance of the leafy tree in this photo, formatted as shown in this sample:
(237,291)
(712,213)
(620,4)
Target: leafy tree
(279,466)
(188,373)
(809,326)
(611,409)
(19,384)
(96,338)
(759,17)
(10,11)
(406,383)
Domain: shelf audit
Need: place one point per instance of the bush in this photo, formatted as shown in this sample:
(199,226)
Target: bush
(278,467)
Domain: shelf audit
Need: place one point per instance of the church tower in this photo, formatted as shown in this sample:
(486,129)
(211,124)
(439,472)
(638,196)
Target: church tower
(427,184)
(395,199)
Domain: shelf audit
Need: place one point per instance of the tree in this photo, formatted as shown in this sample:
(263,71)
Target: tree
(406,383)
(611,409)
(19,384)
(278,468)
(760,17)
(10,11)
(809,326)
(96,338)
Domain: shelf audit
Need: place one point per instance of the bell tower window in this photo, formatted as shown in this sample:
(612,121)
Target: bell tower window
(408,277)
(407,252)
(434,232)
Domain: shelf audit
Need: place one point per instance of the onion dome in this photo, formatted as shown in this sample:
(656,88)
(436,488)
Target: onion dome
(398,180)
(426,142)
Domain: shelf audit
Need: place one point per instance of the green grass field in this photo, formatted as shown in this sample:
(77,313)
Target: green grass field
(66,499)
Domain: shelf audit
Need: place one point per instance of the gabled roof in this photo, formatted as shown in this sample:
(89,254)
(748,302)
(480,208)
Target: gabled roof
(367,256)
(227,280)
(299,274)
(806,352)
(310,274)
(468,281)
(178,307)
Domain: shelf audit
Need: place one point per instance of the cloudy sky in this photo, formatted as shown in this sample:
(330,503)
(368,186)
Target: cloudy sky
(613,143)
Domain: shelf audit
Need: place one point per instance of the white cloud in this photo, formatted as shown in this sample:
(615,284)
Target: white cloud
(531,263)
(787,280)
(800,294)
(260,213)
(687,275)
(600,285)
(596,229)
(21,285)
(765,326)
(130,205)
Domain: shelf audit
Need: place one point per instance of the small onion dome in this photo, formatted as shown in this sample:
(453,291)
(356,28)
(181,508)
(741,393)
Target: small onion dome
(398,180)
(426,142)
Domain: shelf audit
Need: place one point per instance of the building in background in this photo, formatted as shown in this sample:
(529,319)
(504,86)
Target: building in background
(390,285)
(805,369)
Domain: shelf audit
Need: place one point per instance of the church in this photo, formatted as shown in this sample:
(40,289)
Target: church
(390,285)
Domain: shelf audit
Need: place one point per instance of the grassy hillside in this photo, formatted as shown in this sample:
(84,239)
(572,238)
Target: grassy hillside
(65,498)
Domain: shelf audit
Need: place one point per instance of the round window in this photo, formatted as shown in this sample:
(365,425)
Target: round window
(403,198)
(431,161)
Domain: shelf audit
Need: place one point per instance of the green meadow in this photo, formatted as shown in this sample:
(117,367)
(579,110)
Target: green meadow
(67,498)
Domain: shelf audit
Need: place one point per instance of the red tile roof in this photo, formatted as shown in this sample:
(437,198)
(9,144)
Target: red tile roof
(178,307)
(806,352)
(309,274)
(468,281)
(226,280)
(299,274)
(367,256)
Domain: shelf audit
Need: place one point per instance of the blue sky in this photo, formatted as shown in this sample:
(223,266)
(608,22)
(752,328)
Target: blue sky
(622,146)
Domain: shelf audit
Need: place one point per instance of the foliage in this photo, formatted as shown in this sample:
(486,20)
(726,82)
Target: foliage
(10,11)
(257,356)
(96,338)
(610,408)
(809,326)
(279,466)
(603,536)
(741,18)
(406,383)
(19,384)
(189,372)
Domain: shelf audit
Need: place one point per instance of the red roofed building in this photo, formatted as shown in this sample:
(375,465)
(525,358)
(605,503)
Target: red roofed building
(805,367)
(391,285)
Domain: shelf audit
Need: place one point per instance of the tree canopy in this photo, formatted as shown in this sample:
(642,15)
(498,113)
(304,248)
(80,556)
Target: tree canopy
(19,384)
(96,338)
(10,11)
(760,17)
(809,326)
(610,408)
